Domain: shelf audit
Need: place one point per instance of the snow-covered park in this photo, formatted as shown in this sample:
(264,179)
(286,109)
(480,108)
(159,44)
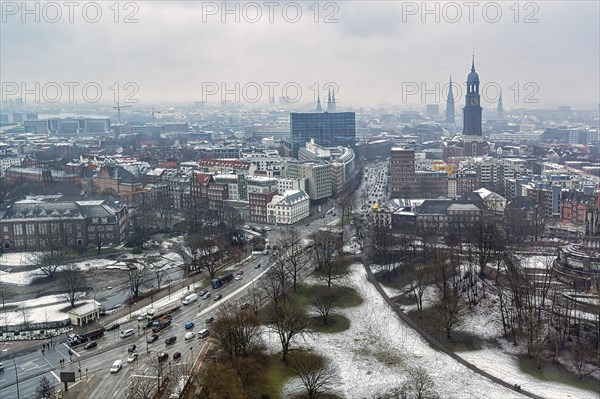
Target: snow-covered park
(374,354)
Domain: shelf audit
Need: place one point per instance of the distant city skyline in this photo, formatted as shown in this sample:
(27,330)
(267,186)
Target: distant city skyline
(376,53)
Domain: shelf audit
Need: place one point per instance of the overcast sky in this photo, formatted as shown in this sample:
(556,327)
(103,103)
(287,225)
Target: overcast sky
(376,52)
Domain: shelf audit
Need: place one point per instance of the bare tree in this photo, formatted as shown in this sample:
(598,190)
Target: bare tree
(325,252)
(347,204)
(488,239)
(256,298)
(316,373)
(219,380)
(419,385)
(233,219)
(288,322)
(382,243)
(292,254)
(237,333)
(210,253)
(360,229)
(188,259)
(449,304)
(273,286)
(25,314)
(72,280)
(44,389)
(324,304)
(99,240)
(157,365)
(5,292)
(157,269)
(135,278)
(421,276)
(49,262)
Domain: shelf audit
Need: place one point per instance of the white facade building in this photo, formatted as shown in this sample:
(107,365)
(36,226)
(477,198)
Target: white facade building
(288,208)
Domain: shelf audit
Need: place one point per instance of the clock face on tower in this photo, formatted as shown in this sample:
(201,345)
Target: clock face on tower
(474,101)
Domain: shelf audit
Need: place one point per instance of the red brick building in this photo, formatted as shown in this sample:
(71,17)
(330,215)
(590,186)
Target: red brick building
(258,206)
(572,207)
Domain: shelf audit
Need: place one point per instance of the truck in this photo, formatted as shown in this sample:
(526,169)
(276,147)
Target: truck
(154,314)
(161,323)
(77,339)
(219,281)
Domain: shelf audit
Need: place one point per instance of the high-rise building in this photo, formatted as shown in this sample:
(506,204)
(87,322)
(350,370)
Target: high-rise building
(450,105)
(329,129)
(402,173)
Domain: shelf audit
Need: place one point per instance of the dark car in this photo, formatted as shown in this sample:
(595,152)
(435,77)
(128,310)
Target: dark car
(217,297)
(176,355)
(307,224)
(210,319)
(170,340)
(131,348)
(257,266)
(152,338)
(163,356)
(90,345)
(112,326)
(202,293)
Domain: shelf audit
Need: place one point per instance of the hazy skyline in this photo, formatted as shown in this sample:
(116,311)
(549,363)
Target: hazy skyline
(377,52)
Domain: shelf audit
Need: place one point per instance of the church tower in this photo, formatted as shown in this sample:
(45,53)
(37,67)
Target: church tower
(319,108)
(330,101)
(500,112)
(472,109)
(450,105)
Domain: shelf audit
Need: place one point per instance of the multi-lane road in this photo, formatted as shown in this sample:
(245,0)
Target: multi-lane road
(95,363)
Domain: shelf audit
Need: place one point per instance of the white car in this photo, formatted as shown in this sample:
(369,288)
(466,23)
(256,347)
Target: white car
(189,335)
(133,357)
(238,277)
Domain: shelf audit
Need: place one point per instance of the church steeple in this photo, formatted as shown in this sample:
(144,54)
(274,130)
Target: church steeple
(472,110)
(450,105)
(500,107)
(319,108)
(330,101)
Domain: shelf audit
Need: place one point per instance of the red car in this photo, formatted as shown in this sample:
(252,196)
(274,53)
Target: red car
(239,273)
(176,355)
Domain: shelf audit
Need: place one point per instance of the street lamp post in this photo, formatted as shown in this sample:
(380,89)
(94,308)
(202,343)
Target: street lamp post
(146,337)
(17,375)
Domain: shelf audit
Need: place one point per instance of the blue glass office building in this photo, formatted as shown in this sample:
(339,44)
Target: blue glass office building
(328,129)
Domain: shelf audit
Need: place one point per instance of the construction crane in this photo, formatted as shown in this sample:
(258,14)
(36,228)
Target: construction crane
(118,108)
